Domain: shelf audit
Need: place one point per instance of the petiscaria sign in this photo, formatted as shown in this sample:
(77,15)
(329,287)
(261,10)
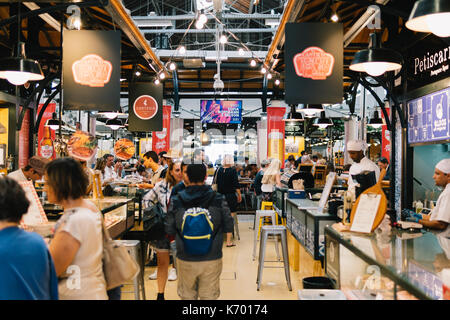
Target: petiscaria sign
(314,63)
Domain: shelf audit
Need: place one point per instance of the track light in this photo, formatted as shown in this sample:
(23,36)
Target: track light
(138,73)
(172,66)
(269,76)
(277,82)
(203,18)
(157,81)
(182,50)
(334,17)
(199,25)
(162,75)
(263,70)
(253,63)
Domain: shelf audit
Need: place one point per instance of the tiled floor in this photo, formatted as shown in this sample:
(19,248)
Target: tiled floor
(238,280)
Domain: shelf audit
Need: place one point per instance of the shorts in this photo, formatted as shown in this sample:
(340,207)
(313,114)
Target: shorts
(232,201)
(162,245)
(199,279)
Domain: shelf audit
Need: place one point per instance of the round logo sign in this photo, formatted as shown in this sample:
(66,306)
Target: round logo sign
(145,107)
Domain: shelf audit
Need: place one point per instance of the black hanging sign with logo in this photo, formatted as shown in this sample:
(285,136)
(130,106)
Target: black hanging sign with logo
(145,107)
(91,70)
(314,63)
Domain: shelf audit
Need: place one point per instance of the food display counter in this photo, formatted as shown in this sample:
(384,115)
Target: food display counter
(307,225)
(118,213)
(389,265)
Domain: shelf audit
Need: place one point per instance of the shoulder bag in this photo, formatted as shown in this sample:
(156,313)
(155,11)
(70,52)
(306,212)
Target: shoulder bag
(153,222)
(214,185)
(119,266)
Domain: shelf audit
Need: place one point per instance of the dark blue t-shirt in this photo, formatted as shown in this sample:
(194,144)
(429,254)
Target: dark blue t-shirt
(26,267)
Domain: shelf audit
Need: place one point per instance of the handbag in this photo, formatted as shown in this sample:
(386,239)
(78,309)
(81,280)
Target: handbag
(153,222)
(214,183)
(119,266)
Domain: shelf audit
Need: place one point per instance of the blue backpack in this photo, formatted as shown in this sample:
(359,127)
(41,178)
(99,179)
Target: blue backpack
(197,229)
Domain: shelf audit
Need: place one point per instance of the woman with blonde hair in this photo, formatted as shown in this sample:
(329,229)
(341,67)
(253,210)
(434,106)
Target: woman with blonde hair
(271,178)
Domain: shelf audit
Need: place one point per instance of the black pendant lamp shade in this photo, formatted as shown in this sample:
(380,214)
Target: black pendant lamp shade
(310,110)
(53,123)
(376,121)
(323,121)
(18,69)
(430,16)
(114,124)
(376,60)
(293,115)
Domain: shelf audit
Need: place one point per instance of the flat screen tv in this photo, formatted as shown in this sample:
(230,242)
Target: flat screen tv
(221,111)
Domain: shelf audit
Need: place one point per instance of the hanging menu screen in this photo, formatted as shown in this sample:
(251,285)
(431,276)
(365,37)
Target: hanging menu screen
(429,118)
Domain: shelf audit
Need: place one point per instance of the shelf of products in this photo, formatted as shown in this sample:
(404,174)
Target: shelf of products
(388,265)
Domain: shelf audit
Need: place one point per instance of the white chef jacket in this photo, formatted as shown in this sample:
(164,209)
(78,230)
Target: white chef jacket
(442,210)
(18,175)
(364,165)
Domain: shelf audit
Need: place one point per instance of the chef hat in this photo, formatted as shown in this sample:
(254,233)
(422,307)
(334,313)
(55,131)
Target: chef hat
(444,166)
(356,145)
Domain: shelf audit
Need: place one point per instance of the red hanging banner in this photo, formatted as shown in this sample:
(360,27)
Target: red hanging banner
(24,140)
(161,139)
(386,139)
(275,133)
(45,135)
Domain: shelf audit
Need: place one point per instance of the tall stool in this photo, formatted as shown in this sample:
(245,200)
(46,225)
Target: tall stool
(134,248)
(265,205)
(260,214)
(275,231)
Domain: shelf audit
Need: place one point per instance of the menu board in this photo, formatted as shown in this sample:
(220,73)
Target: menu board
(429,118)
(35,214)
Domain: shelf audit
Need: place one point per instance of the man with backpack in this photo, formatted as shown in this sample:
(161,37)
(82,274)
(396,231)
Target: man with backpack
(198,217)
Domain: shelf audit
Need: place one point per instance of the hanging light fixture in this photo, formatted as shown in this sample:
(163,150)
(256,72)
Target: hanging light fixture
(253,63)
(375,122)
(114,124)
(293,115)
(172,66)
(162,75)
(157,81)
(430,16)
(263,115)
(323,122)
(18,69)
(310,110)
(53,123)
(223,39)
(277,82)
(181,50)
(376,60)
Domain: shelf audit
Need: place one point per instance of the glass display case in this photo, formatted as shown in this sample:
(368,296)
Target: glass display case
(118,213)
(387,265)
(308,225)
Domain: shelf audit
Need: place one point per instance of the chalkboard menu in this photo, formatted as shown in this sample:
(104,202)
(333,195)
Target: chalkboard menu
(429,118)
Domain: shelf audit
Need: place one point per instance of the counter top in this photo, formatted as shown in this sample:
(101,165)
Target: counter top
(422,256)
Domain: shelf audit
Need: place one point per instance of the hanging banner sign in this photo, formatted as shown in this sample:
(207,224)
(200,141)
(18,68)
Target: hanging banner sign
(429,118)
(24,140)
(314,63)
(275,133)
(161,139)
(91,71)
(145,111)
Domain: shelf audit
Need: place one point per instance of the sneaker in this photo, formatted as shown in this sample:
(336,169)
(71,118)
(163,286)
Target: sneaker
(154,275)
(172,274)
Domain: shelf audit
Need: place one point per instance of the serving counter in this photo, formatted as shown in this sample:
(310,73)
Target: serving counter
(118,213)
(387,265)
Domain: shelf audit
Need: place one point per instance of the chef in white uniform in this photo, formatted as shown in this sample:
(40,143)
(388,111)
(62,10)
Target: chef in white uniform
(361,163)
(439,218)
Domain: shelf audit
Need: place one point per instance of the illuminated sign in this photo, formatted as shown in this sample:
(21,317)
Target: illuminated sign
(145,107)
(92,70)
(313,63)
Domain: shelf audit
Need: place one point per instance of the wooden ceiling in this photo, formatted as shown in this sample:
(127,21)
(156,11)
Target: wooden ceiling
(44,41)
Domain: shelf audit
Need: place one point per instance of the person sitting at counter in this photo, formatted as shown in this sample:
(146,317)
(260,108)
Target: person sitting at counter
(383,163)
(151,161)
(290,163)
(271,178)
(110,173)
(361,163)
(32,172)
(439,218)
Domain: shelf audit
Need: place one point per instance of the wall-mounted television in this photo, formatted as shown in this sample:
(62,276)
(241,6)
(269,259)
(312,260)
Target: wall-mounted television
(221,111)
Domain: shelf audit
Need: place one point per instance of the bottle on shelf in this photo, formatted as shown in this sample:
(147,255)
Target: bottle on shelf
(46,144)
